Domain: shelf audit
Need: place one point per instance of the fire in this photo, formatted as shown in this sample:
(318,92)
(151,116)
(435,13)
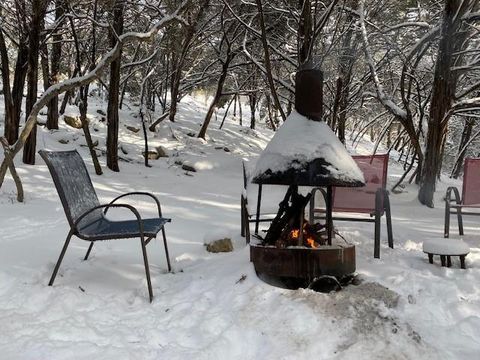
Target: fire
(311,242)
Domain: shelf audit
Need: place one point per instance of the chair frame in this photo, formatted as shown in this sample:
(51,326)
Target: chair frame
(456,204)
(382,206)
(74,230)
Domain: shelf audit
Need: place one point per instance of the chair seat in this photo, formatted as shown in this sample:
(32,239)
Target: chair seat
(104,229)
(443,246)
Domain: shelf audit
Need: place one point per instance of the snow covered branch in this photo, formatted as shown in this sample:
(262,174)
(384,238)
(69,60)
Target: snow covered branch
(75,82)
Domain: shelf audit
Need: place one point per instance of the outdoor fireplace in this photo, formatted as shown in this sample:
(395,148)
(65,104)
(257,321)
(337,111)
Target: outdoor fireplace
(304,152)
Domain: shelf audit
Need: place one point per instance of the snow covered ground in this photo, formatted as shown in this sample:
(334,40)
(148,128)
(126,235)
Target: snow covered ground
(213,306)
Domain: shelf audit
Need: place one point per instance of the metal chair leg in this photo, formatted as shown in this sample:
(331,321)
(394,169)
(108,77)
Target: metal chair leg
(147,269)
(388,215)
(378,206)
(242,217)
(460,221)
(376,250)
(446,230)
(88,251)
(60,258)
(166,250)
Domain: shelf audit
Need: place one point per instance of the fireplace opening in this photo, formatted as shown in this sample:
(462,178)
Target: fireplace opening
(305,152)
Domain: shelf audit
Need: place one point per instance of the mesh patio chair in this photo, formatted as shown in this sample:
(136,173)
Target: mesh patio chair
(87,217)
(371,199)
(470,196)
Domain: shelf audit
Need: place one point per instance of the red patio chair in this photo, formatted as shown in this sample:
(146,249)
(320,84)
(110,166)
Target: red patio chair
(470,196)
(372,199)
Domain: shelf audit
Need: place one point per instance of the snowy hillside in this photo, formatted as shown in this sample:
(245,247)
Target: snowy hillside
(213,306)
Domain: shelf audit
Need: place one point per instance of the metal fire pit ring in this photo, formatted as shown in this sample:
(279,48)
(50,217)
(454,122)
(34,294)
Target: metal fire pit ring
(304,263)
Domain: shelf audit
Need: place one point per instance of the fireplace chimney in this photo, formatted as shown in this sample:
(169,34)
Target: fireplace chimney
(309,93)
(304,151)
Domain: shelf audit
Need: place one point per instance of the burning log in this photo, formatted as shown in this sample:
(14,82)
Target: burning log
(289,228)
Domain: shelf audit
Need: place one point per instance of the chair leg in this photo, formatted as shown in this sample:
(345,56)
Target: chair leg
(242,218)
(446,231)
(247,230)
(376,250)
(88,251)
(460,221)
(166,250)
(57,266)
(388,215)
(147,269)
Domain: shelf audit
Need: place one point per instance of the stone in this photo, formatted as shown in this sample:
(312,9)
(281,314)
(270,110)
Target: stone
(188,168)
(162,151)
(226,149)
(152,155)
(221,245)
(101,112)
(72,121)
(132,128)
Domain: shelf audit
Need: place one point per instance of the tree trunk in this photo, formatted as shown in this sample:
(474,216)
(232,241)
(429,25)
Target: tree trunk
(7,94)
(346,62)
(466,135)
(12,121)
(36,24)
(113,91)
(55,59)
(190,31)
(218,95)
(253,104)
(305,32)
(268,65)
(443,93)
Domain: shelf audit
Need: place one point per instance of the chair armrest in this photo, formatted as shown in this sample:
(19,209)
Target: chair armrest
(107,206)
(312,202)
(138,193)
(456,193)
(313,192)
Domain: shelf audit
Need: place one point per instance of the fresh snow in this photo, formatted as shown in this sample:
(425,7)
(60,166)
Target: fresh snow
(443,246)
(213,306)
(299,141)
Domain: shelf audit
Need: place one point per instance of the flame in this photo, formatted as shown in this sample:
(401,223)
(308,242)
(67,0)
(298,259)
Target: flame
(295,234)
(311,242)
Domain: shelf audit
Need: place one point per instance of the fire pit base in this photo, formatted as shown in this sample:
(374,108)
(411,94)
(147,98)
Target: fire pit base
(304,263)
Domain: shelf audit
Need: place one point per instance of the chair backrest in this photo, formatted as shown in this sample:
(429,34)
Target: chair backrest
(471,182)
(73,184)
(362,199)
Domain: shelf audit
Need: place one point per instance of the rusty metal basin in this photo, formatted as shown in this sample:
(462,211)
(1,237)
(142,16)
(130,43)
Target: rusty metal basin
(304,263)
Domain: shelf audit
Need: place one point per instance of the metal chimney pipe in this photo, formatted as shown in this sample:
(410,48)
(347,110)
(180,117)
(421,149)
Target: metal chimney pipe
(309,93)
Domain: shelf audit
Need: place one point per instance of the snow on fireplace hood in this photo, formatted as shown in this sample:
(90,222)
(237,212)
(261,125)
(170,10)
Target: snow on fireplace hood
(305,152)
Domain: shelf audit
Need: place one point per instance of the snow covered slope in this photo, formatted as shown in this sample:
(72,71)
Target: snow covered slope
(213,306)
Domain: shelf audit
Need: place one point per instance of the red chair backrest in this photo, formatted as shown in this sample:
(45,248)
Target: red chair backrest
(362,199)
(471,182)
